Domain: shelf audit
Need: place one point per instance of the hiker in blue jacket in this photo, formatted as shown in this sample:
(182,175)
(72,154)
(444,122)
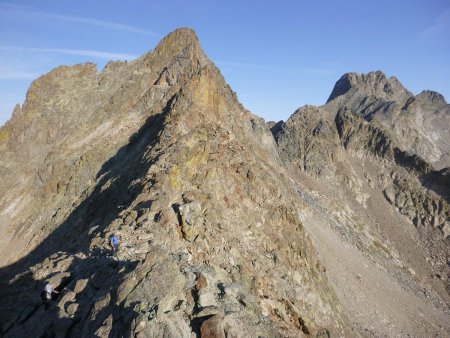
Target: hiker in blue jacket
(114,243)
(49,291)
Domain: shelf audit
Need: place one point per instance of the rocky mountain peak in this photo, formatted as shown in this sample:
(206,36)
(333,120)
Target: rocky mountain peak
(415,123)
(373,83)
(182,42)
(179,38)
(431,99)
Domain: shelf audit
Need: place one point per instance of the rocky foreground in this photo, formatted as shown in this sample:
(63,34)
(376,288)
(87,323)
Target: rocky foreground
(333,223)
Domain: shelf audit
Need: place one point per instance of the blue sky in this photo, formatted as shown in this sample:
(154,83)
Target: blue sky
(277,55)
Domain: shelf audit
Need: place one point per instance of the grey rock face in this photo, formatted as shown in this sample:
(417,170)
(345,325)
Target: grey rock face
(418,124)
(309,140)
(431,100)
(373,84)
(411,197)
(346,153)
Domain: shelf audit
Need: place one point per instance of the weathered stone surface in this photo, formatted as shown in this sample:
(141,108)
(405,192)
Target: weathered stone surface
(212,328)
(309,141)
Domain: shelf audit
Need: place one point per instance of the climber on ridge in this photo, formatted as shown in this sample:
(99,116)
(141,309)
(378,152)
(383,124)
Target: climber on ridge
(48,293)
(114,243)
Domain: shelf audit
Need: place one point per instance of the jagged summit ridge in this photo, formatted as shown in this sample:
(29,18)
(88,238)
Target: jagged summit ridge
(432,99)
(76,109)
(374,83)
(176,49)
(160,152)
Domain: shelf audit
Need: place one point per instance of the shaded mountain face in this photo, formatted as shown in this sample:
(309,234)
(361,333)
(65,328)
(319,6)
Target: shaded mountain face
(159,152)
(418,124)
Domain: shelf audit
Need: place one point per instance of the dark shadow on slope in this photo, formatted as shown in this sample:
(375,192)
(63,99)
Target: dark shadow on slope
(436,181)
(379,144)
(22,312)
(439,182)
(411,162)
(277,129)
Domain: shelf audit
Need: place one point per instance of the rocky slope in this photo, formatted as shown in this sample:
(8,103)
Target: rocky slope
(160,152)
(333,223)
(379,216)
